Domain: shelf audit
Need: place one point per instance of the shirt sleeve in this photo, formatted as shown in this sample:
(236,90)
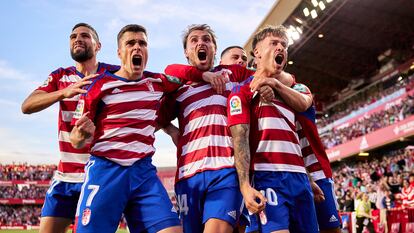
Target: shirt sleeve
(184,72)
(168,110)
(51,83)
(238,106)
(238,73)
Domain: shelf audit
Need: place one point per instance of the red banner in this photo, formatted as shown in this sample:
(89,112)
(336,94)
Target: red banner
(33,182)
(17,201)
(373,140)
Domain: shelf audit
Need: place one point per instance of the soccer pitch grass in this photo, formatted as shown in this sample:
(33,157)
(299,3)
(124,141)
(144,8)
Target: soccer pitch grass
(33,231)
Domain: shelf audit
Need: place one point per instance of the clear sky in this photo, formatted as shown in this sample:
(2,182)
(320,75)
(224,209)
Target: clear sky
(34,41)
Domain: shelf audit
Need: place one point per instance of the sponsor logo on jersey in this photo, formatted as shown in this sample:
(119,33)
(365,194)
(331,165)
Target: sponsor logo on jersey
(333,219)
(79,109)
(235,105)
(232,214)
(86,216)
(173,79)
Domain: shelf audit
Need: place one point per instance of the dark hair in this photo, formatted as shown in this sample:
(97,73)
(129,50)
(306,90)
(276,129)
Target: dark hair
(94,33)
(201,27)
(279,31)
(230,47)
(131,28)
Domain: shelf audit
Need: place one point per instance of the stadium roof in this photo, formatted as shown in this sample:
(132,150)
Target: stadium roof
(346,44)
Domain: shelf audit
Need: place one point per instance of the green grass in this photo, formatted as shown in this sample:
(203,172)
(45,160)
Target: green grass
(33,231)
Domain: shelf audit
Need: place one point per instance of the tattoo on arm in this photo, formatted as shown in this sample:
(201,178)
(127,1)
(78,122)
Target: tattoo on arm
(240,134)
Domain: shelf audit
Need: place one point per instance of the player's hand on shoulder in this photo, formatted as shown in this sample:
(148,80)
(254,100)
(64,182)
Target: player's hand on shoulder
(217,79)
(260,81)
(76,88)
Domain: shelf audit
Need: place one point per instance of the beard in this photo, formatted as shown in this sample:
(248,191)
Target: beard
(82,56)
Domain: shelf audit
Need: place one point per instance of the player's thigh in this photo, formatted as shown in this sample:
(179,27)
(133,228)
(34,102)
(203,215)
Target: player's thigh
(276,217)
(103,197)
(61,200)
(189,194)
(326,211)
(54,224)
(302,212)
(149,208)
(223,204)
(214,225)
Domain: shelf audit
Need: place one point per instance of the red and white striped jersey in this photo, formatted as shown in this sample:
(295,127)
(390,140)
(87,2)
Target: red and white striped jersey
(407,196)
(205,142)
(72,161)
(314,154)
(124,112)
(274,143)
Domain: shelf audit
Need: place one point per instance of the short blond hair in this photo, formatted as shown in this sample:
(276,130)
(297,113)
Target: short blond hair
(279,31)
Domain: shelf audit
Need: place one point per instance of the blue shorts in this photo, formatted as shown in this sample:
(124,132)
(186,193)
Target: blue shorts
(290,204)
(209,194)
(61,199)
(111,189)
(326,211)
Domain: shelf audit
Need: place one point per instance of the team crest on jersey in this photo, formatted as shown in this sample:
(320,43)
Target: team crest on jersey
(47,81)
(150,86)
(79,109)
(173,79)
(86,216)
(235,105)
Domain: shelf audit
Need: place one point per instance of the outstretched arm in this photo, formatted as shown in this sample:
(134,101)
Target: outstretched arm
(240,134)
(39,100)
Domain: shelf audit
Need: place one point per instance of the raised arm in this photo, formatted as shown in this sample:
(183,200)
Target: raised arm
(240,134)
(39,99)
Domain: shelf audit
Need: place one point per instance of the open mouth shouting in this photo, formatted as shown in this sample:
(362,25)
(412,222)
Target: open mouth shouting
(137,60)
(202,55)
(279,59)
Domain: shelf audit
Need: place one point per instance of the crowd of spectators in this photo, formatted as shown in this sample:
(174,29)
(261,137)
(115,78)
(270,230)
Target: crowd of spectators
(369,123)
(363,99)
(19,215)
(23,192)
(26,172)
(385,181)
